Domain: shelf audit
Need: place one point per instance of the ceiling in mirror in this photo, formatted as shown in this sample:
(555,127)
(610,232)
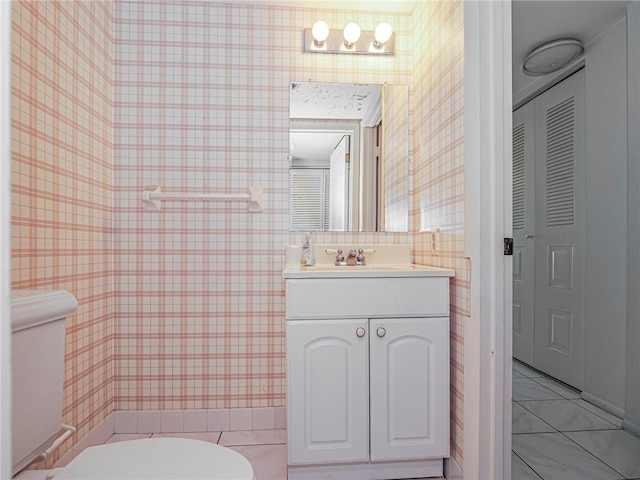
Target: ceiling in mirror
(338,101)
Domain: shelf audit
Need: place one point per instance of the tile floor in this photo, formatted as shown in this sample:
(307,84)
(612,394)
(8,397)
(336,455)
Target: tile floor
(265,449)
(557,435)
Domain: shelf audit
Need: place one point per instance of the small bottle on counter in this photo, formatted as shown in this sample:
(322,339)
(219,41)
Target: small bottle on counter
(307,258)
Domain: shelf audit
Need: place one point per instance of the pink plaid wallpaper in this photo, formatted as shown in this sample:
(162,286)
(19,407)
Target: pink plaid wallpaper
(61,121)
(183,308)
(438,79)
(201,102)
(396,156)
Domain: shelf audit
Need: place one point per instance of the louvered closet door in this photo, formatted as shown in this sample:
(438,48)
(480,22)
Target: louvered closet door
(559,235)
(523,230)
(308,198)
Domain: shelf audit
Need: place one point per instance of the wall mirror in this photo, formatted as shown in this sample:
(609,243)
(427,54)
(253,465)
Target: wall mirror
(348,157)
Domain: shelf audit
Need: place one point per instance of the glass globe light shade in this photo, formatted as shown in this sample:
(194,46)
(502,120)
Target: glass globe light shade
(382,34)
(351,34)
(320,32)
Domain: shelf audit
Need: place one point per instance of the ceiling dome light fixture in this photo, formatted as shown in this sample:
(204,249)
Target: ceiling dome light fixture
(552,56)
(320,31)
(351,34)
(382,35)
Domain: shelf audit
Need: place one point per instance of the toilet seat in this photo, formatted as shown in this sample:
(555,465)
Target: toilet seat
(158,458)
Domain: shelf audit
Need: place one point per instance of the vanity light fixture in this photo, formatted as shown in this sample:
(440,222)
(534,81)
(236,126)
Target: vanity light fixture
(352,40)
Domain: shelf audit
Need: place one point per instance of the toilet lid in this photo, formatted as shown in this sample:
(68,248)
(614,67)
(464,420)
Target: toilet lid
(158,458)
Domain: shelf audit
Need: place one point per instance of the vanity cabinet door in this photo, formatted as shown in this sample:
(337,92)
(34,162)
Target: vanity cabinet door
(409,388)
(328,391)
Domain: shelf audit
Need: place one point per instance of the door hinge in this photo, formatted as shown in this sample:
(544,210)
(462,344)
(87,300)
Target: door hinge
(508,246)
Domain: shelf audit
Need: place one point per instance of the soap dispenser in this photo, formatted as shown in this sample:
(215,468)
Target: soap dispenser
(307,258)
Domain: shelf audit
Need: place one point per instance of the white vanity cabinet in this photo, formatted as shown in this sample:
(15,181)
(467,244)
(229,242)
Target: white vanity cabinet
(367,375)
(368,389)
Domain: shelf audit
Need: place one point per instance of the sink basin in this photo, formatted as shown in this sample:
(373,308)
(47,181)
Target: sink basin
(371,271)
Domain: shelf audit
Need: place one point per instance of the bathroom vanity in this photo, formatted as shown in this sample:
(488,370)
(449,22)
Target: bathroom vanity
(367,367)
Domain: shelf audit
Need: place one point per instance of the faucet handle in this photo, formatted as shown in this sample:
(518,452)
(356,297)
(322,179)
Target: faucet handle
(338,253)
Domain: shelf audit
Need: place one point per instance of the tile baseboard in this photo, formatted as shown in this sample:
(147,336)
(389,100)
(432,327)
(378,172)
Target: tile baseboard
(632,427)
(452,470)
(193,421)
(603,404)
(178,421)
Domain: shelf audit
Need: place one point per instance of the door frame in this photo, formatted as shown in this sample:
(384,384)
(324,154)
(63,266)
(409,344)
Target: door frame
(5,239)
(488,211)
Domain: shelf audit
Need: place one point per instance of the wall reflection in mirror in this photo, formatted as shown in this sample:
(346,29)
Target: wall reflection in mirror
(349,157)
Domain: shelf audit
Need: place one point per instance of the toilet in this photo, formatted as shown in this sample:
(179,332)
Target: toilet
(38,337)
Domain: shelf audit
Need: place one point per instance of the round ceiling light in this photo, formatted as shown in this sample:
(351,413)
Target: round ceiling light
(552,56)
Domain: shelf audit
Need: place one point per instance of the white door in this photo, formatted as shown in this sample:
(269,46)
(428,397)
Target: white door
(327,391)
(560,230)
(523,230)
(409,369)
(339,204)
(548,229)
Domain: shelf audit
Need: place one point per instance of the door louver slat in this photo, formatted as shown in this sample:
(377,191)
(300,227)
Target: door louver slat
(308,194)
(518,177)
(560,164)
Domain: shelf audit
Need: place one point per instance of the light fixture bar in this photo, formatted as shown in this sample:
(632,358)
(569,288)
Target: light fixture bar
(335,43)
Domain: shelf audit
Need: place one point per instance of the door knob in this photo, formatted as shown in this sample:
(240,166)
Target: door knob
(381,332)
(528,235)
(360,332)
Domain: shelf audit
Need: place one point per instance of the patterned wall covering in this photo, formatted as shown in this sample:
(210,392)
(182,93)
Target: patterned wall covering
(201,105)
(61,121)
(396,160)
(438,171)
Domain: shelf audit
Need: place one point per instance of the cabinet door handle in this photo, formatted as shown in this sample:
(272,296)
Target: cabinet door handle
(381,332)
(360,332)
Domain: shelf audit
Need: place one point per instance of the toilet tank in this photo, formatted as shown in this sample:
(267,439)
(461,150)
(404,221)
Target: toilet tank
(37,346)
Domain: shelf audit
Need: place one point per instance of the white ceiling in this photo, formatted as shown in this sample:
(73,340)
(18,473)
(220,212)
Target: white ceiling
(401,6)
(535,22)
(313,147)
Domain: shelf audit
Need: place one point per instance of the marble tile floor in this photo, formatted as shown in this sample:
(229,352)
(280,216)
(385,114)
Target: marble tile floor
(559,436)
(265,449)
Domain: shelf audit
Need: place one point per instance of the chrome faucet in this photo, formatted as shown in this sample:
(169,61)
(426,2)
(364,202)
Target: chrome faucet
(355,257)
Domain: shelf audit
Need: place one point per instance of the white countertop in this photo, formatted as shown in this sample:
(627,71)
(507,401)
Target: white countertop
(367,271)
